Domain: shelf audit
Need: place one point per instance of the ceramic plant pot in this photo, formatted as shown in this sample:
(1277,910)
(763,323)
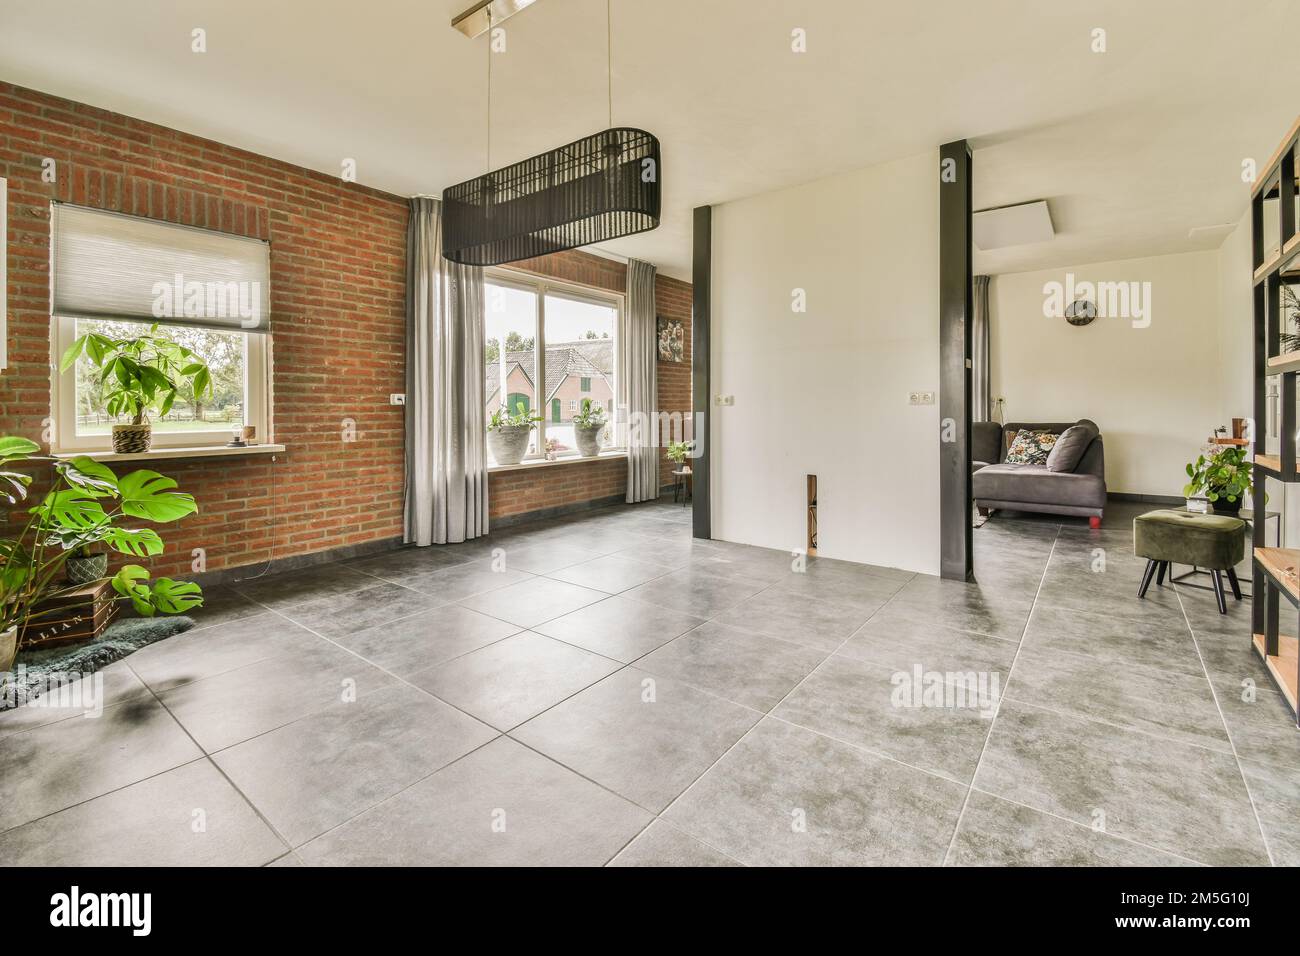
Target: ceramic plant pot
(88,569)
(508,443)
(8,649)
(132,439)
(588,440)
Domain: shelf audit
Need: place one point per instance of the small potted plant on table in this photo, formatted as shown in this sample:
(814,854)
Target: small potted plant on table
(587,427)
(86,504)
(1224,479)
(142,373)
(508,434)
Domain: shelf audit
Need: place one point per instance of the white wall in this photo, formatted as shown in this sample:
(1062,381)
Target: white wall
(1155,392)
(826,392)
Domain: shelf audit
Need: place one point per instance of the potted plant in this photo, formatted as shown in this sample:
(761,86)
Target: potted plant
(86,504)
(1224,478)
(587,427)
(679,451)
(85,565)
(142,374)
(508,434)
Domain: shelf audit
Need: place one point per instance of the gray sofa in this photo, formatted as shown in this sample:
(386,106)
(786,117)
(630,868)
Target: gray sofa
(996,484)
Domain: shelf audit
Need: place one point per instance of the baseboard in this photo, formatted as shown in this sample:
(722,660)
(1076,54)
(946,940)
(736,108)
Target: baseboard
(1146,499)
(559,511)
(294,562)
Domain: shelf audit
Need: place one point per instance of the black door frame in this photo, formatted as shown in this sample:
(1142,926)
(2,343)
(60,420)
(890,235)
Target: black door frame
(956,561)
(701,276)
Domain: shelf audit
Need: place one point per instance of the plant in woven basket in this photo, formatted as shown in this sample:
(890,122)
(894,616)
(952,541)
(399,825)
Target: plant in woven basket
(1288,332)
(141,374)
(87,504)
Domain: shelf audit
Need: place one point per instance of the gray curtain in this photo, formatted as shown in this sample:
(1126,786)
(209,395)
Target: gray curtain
(446,471)
(979,345)
(636,384)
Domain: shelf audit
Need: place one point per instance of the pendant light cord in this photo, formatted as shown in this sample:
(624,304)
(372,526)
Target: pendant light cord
(609,59)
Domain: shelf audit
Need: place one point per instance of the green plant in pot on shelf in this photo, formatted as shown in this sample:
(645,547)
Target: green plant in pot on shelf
(678,451)
(508,434)
(588,425)
(141,374)
(87,505)
(1224,479)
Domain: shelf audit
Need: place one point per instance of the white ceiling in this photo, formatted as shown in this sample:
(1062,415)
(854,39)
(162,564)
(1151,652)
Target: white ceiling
(1132,148)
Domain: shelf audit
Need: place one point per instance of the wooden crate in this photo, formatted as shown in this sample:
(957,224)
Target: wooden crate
(80,615)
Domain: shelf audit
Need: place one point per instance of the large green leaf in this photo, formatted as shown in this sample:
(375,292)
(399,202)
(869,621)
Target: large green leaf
(71,508)
(13,448)
(176,597)
(137,542)
(73,353)
(14,485)
(130,582)
(90,475)
(147,494)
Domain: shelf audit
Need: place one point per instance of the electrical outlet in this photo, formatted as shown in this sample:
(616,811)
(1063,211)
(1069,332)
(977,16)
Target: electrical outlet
(724,399)
(927,398)
(397,399)
(920,398)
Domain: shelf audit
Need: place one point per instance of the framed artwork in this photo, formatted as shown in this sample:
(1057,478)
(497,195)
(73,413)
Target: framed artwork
(672,339)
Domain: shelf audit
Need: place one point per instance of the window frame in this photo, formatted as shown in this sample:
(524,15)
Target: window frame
(541,286)
(63,399)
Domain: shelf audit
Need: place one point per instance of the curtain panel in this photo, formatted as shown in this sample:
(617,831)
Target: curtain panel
(446,465)
(637,351)
(980,333)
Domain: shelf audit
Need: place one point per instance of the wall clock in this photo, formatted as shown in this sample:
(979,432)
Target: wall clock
(1080,312)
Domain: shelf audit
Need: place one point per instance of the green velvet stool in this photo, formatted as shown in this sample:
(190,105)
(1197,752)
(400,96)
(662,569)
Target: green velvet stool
(1211,541)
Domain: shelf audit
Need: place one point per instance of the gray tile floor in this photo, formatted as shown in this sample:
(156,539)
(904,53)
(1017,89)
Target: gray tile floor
(604,690)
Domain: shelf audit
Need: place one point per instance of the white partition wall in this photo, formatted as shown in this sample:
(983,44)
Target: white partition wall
(825,390)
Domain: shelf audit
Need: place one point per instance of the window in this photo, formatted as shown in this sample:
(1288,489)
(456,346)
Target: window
(237,361)
(549,344)
(118,275)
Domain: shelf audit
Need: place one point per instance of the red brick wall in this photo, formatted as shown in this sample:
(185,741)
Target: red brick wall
(337,303)
(517,492)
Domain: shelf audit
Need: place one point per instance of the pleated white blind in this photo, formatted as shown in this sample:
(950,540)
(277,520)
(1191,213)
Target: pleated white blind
(106,265)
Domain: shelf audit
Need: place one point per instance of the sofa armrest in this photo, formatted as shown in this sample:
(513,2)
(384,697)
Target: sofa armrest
(1093,461)
(986,442)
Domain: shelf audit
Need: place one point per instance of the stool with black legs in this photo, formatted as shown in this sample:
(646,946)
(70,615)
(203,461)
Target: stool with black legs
(1214,542)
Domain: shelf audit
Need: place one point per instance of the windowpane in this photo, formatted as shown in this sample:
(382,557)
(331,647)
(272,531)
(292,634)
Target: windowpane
(225,353)
(510,352)
(579,364)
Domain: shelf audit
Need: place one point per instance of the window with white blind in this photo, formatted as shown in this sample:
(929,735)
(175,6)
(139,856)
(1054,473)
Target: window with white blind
(119,275)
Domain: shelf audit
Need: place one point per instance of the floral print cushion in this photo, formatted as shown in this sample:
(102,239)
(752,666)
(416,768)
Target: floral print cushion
(1030,448)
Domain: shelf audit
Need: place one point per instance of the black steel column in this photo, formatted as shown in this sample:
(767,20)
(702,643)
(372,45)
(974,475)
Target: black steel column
(955,559)
(702,525)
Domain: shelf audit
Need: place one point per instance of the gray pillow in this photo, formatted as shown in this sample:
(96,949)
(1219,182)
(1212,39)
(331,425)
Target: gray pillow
(1069,448)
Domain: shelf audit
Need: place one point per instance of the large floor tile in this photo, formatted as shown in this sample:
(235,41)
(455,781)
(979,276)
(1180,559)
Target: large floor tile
(874,707)
(317,772)
(1163,645)
(427,638)
(1168,704)
(620,627)
(645,738)
(286,589)
(611,573)
(750,669)
(544,557)
(787,796)
(1275,791)
(223,710)
(189,816)
(662,844)
(864,593)
(57,765)
(210,651)
(402,562)
(699,593)
(74,694)
(966,607)
(510,681)
(1260,722)
(345,614)
(1175,797)
(902,643)
(994,832)
(502,805)
(796,618)
(533,602)
(222,604)
(463,581)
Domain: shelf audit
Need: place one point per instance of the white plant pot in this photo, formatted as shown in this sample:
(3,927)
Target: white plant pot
(508,444)
(8,649)
(588,440)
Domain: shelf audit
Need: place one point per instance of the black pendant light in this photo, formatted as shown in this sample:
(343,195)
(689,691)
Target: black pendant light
(598,188)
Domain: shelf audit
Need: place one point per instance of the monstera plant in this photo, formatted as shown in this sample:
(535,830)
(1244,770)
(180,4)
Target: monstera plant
(86,504)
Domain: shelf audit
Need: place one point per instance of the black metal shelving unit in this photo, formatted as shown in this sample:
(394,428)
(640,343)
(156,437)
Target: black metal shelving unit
(1275,262)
